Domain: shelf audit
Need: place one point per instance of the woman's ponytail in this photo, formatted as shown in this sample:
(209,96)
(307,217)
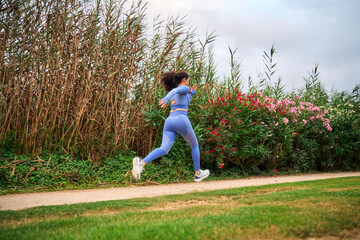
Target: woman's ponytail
(171,79)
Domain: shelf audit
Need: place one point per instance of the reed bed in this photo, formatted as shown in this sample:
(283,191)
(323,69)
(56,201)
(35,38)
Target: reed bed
(76,75)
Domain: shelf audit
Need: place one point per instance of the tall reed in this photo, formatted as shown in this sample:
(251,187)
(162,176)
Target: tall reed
(76,75)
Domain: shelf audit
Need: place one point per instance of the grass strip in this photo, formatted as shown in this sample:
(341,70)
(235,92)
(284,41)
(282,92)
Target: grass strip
(322,208)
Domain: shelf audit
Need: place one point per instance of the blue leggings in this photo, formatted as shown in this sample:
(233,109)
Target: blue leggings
(177,122)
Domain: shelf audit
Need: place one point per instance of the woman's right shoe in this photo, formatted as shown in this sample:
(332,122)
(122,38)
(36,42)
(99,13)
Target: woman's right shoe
(203,174)
(137,168)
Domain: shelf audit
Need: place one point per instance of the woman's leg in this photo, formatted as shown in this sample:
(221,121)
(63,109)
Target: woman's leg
(190,138)
(187,132)
(168,140)
(195,152)
(166,144)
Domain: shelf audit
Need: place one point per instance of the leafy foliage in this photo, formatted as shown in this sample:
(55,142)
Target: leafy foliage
(252,131)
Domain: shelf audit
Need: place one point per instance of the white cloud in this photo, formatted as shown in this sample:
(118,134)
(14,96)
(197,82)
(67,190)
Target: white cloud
(304,32)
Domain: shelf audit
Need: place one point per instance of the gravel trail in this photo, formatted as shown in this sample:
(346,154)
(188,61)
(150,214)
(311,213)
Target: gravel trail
(29,200)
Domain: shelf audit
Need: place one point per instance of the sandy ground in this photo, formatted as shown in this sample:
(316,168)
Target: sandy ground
(29,200)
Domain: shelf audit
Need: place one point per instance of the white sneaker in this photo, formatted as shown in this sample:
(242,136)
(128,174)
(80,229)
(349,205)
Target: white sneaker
(203,174)
(137,168)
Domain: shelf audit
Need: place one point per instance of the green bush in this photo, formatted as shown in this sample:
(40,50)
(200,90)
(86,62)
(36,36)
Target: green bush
(255,132)
(61,170)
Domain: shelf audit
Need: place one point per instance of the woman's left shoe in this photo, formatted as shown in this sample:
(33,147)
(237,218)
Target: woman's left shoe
(137,168)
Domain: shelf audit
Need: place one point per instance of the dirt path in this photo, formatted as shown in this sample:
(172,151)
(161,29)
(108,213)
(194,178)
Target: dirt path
(29,200)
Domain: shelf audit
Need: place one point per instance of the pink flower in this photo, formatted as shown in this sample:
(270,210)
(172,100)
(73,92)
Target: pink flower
(328,128)
(286,121)
(312,118)
(276,124)
(221,165)
(316,109)
(326,111)
(275,170)
(272,107)
(295,133)
(304,121)
(319,116)
(293,110)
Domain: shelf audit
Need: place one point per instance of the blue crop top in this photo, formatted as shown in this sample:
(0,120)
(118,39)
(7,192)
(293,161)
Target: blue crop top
(180,97)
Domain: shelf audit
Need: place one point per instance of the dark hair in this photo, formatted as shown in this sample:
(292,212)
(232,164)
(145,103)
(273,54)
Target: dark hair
(172,79)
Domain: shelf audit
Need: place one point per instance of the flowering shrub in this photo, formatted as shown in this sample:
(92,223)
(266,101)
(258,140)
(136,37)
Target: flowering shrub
(255,132)
(345,148)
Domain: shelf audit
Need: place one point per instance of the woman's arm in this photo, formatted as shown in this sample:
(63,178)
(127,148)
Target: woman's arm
(178,90)
(192,91)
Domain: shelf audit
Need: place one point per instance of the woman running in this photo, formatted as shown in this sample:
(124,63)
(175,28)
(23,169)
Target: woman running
(177,84)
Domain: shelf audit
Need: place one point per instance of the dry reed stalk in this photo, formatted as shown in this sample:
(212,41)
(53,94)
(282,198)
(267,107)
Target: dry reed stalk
(76,75)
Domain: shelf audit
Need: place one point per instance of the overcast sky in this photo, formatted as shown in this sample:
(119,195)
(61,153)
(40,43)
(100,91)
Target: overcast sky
(304,32)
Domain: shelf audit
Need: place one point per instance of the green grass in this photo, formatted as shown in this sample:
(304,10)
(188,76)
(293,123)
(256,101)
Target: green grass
(300,210)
